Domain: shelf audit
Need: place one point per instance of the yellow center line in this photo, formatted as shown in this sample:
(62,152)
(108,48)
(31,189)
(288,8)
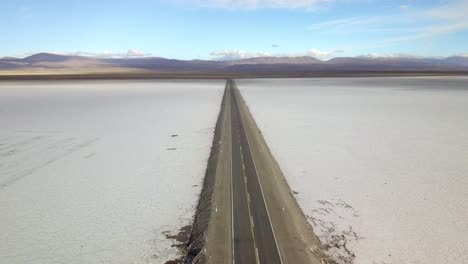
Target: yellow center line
(257,260)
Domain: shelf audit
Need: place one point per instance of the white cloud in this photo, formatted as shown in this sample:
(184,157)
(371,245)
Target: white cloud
(237,54)
(452,17)
(137,53)
(347,23)
(389,56)
(242,54)
(132,53)
(408,23)
(256,4)
(440,20)
(404,7)
(320,54)
(105,53)
(432,31)
(456,10)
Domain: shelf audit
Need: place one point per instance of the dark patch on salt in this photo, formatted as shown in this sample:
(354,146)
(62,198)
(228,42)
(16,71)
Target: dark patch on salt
(181,239)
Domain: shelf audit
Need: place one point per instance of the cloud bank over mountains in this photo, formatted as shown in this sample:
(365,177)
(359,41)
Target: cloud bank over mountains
(241,61)
(242,54)
(131,53)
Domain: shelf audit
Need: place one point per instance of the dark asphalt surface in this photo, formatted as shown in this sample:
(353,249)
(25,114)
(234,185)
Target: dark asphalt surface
(253,235)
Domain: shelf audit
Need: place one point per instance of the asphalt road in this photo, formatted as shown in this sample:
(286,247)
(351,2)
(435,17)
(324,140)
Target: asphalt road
(253,236)
(254,216)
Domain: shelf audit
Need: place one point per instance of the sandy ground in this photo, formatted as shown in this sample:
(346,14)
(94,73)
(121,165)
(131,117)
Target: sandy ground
(379,165)
(93,172)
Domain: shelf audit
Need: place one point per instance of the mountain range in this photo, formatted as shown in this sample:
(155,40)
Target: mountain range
(251,65)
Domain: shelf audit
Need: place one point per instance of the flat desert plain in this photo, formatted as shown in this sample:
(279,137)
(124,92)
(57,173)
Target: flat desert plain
(378,165)
(99,172)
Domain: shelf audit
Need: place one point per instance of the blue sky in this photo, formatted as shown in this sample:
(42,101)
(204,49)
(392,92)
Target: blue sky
(223,29)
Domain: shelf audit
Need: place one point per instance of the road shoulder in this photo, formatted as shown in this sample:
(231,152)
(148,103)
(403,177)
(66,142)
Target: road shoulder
(296,239)
(219,246)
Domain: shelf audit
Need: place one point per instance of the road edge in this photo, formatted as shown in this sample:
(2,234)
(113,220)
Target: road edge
(296,239)
(196,246)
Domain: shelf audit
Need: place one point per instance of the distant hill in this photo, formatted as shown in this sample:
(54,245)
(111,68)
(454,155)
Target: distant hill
(46,57)
(252,65)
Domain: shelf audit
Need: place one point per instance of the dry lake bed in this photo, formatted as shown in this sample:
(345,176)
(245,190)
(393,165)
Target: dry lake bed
(380,165)
(100,171)
(96,172)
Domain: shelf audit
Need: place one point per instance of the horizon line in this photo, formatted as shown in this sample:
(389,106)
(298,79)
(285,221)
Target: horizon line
(150,56)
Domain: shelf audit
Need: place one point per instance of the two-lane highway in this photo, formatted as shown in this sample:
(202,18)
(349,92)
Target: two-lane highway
(253,236)
(254,216)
